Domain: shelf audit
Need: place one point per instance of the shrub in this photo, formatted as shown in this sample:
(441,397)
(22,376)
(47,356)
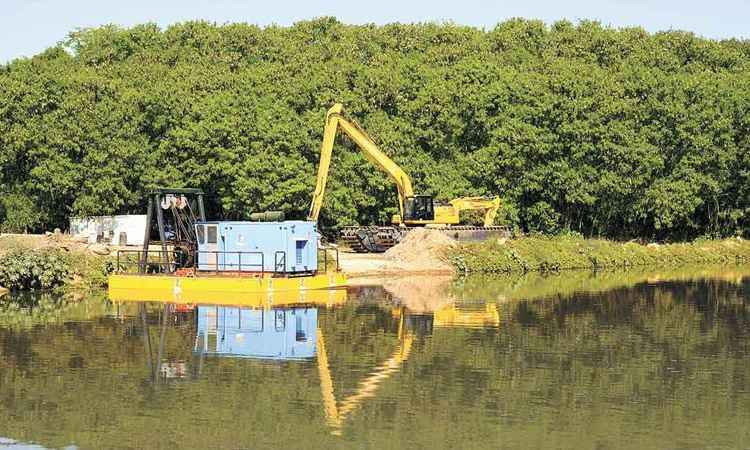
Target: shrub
(36,269)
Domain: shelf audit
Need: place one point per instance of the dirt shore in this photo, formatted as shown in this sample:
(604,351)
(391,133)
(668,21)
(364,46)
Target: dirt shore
(421,252)
(377,265)
(418,255)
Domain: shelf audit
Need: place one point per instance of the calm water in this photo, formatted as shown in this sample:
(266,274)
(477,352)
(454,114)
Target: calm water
(632,360)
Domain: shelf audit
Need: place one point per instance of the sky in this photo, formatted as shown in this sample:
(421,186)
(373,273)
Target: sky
(29,26)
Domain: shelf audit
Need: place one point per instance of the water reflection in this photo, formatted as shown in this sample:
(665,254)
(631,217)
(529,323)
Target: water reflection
(276,333)
(632,362)
(284,333)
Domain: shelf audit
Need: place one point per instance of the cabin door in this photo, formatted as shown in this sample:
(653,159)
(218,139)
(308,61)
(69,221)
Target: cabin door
(208,246)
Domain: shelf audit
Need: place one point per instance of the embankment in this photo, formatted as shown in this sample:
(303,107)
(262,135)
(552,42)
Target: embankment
(552,254)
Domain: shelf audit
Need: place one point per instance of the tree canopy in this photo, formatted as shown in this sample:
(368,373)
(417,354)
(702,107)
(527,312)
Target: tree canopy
(607,132)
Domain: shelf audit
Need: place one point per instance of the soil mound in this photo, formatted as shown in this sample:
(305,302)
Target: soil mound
(422,249)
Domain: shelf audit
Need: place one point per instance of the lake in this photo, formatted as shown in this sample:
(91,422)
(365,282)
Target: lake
(632,359)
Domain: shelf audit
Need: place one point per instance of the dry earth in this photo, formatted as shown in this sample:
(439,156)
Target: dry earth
(421,252)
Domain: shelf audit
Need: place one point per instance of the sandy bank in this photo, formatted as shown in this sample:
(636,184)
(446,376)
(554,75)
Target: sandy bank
(422,251)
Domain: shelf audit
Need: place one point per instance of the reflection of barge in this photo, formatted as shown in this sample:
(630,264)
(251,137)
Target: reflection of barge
(171,291)
(289,333)
(255,328)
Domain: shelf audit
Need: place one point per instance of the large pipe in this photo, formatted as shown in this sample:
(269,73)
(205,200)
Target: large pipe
(267,216)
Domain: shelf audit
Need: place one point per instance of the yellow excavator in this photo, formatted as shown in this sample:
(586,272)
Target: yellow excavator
(414,210)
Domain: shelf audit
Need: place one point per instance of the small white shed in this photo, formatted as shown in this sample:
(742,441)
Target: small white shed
(115,230)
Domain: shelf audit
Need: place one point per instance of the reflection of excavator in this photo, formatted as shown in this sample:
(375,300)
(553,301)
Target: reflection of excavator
(293,333)
(451,315)
(414,210)
(480,315)
(410,326)
(338,411)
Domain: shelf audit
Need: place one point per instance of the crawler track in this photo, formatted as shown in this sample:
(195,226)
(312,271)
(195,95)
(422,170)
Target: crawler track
(377,239)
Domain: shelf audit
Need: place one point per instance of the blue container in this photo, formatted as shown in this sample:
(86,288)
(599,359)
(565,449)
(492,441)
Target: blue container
(257,333)
(283,247)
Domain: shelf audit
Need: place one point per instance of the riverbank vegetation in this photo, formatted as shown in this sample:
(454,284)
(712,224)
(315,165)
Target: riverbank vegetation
(552,254)
(608,132)
(43,269)
(26,268)
(525,286)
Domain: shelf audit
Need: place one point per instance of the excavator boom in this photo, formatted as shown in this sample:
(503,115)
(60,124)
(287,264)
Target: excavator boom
(414,210)
(334,122)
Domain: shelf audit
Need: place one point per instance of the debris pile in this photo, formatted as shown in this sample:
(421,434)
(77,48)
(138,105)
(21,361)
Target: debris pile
(54,240)
(423,249)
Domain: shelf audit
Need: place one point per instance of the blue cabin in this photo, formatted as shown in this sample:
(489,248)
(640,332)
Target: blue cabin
(289,333)
(283,247)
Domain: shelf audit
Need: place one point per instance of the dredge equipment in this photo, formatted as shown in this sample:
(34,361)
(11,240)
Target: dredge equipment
(414,210)
(194,258)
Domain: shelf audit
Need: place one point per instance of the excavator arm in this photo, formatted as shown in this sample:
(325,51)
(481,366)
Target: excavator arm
(336,121)
(489,205)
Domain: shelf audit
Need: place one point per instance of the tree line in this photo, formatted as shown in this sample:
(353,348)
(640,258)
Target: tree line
(577,127)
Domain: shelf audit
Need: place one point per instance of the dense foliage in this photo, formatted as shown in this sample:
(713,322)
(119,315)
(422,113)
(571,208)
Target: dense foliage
(576,126)
(41,269)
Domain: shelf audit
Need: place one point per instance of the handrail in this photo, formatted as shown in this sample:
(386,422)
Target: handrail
(224,263)
(325,249)
(163,261)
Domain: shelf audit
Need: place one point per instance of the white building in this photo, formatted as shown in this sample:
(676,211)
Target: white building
(115,230)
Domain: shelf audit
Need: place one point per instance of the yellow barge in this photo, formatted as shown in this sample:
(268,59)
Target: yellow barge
(261,291)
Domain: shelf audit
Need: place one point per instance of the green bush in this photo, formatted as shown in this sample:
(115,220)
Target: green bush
(32,270)
(94,270)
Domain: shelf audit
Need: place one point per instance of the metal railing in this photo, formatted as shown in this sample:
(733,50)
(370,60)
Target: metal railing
(324,250)
(160,261)
(206,266)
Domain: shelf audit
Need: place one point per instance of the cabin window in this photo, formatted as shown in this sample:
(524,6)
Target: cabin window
(200,230)
(212,234)
(300,251)
(299,330)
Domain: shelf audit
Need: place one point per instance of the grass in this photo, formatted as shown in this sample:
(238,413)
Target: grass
(553,254)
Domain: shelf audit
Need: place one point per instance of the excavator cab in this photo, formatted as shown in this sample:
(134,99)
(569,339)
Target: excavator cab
(419,207)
